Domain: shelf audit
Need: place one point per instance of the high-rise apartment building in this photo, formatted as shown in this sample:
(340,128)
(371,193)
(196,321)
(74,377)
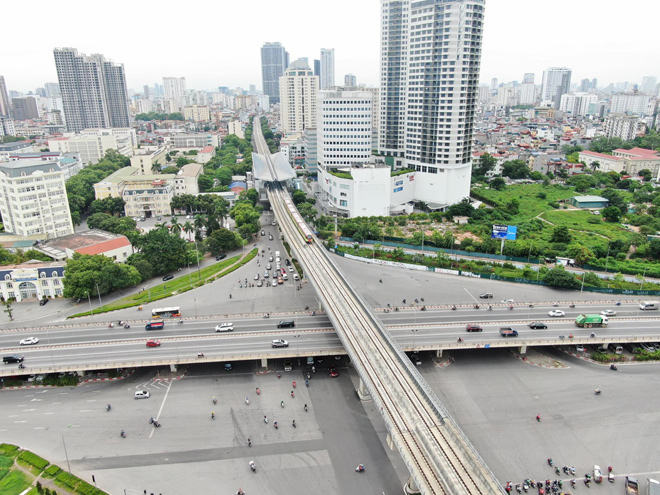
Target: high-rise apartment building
(633,104)
(556,82)
(4,98)
(298,89)
(527,93)
(528,78)
(175,90)
(93,90)
(274,60)
(428,96)
(52,89)
(25,108)
(33,198)
(578,104)
(327,76)
(649,85)
(350,81)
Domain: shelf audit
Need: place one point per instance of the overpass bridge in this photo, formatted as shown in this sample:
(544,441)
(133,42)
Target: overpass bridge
(441,460)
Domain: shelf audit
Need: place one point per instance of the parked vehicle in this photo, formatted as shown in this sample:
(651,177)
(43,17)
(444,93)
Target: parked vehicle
(588,321)
(632,488)
(508,332)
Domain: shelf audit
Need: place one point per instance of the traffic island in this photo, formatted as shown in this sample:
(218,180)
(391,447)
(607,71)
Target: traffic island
(536,358)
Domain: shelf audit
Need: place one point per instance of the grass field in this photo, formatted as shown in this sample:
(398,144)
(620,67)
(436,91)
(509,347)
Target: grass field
(577,222)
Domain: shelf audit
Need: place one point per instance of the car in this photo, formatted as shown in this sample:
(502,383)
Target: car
(287,262)
(296,277)
(13,358)
(142,394)
(333,372)
(474,328)
(598,474)
(273,222)
(486,295)
(266,274)
(256,276)
(228,367)
(273,283)
(288,365)
(220,257)
(507,301)
(647,347)
(43,302)
(556,312)
(260,283)
(537,324)
(290,268)
(269,267)
(153,343)
(280,280)
(608,312)
(167,277)
(270,237)
(279,343)
(579,348)
(263,232)
(417,361)
(225,327)
(29,341)
(286,324)
(270,258)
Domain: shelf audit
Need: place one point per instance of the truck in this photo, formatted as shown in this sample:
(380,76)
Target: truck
(588,321)
(653,487)
(631,486)
(508,332)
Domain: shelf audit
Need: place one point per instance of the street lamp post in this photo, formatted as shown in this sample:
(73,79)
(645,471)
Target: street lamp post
(65,452)
(642,284)
(195,302)
(99,294)
(414,332)
(91,311)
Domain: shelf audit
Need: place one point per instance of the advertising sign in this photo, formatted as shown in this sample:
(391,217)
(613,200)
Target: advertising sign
(508,232)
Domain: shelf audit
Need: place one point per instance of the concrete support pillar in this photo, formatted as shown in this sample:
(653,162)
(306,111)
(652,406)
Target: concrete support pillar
(173,367)
(264,363)
(411,488)
(362,392)
(438,353)
(522,349)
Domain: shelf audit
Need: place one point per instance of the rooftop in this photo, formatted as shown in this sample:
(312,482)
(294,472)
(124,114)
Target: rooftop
(190,170)
(600,155)
(91,242)
(21,168)
(589,198)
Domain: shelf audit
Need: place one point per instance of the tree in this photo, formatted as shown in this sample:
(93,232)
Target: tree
(654,248)
(515,169)
(580,253)
(140,263)
(611,214)
(561,234)
(95,220)
(175,228)
(165,252)
(87,274)
(188,228)
(568,149)
(646,173)
(594,166)
(308,212)
(536,175)
(170,170)
(486,163)
(498,183)
(181,161)
(605,145)
(8,309)
(111,206)
(298,197)
(462,209)
(222,240)
(205,183)
(582,183)
(558,277)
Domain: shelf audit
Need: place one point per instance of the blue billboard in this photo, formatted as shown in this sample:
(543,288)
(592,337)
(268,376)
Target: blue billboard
(508,232)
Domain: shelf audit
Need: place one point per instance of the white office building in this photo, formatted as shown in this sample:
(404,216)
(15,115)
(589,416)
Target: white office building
(633,104)
(430,60)
(298,89)
(556,82)
(327,77)
(33,198)
(577,104)
(623,126)
(527,93)
(175,90)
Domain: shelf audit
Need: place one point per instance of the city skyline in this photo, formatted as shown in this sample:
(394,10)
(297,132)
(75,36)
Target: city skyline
(514,43)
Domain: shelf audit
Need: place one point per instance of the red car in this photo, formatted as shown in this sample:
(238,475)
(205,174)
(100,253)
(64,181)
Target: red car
(474,328)
(153,343)
(333,372)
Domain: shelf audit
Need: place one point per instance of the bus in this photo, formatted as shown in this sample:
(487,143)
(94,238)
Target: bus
(173,312)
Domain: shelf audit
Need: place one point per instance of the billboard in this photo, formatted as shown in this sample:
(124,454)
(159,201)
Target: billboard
(507,232)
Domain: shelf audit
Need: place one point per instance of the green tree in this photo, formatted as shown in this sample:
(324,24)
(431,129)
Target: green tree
(486,163)
(298,197)
(188,228)
(139,262)
(462,209)
(205,183)
(176,227)
(497,183)
(594,166)
(611,214)
(165,252)
(515,169)
(559,277)
(87,274)
(181,161)
(111,206)
(222,240)
(95,220)
(170,170)
(654,249)
(8,309)
(308,212)
(646,173)
(561,235)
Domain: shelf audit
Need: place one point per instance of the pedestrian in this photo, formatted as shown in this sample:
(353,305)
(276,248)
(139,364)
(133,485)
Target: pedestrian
(249,443)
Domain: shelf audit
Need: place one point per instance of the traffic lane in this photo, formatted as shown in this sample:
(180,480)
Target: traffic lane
(125,353)
(64,335)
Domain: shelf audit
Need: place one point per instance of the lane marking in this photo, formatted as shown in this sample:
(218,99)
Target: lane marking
(162,405)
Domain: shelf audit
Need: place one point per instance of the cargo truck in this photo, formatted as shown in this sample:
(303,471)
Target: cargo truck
(631,486)
(508,332)
(653,487)
(589,321)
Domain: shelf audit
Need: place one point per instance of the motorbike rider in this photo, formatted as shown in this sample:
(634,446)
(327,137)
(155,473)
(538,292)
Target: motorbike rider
(212,415)
(305,407)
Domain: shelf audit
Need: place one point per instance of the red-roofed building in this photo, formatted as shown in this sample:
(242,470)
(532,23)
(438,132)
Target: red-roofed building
(90,242)
(205,154)
(639,159)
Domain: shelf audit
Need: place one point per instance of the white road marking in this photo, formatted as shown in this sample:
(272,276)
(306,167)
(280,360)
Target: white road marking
(20,421)
(161,407)
(28,410)
(49,413)
(39,428)
(56,403)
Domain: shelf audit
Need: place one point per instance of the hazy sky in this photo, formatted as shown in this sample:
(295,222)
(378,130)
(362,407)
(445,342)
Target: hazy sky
(217,43)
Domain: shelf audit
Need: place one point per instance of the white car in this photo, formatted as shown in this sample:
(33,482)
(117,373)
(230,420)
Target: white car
(142,394)
(225,327)
(556,312)
(279,343)
(29,341)
(608,312)
(508,301)
(256,277)
(290,268)
(274,283)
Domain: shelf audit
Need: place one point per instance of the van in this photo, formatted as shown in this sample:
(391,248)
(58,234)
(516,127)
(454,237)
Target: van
(649,305)
(277,254)
(310,361)
(154,325)
(13,358)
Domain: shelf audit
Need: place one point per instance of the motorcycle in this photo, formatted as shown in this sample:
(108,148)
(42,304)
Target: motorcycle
(247,401)
(258,391)
(476,306)
(253,466)
(111,325)
(282,404)
(127,325)
(267,315)
(550,461)
(359,468)
(294,384)
(306,308)
(597,391)
(294,424)
(613,367)
(215,401)
(571,305)
(511,308)
(275,425)
(305,407)
(180,322)
(21,366)
(490,308)
(122,434)
(459,340)
(306,383)
(453,308)
(108,407)
(423,308)
(200,354)
(140,308)
(592,334)
(266,419)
